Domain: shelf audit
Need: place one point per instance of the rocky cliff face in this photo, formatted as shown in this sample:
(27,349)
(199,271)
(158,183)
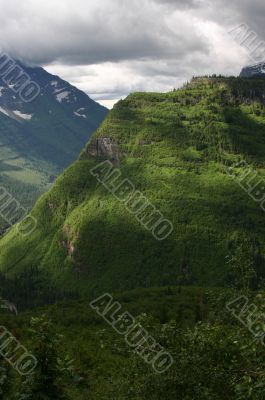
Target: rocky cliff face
(253,70)
(104,147)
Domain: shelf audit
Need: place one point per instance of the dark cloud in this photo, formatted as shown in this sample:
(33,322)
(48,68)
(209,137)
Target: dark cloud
(138,44)
(182,4)
(93,32)
(227,12)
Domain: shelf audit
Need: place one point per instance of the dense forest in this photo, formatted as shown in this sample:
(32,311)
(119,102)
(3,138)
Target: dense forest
(81,357)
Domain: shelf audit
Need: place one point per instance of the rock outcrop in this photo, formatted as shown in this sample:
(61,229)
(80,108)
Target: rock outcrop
(253,70)
(105,148)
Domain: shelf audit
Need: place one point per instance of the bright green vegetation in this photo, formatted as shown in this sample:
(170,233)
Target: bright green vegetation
(175,148)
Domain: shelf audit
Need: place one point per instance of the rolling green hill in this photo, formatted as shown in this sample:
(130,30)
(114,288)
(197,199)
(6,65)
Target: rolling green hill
(175,148)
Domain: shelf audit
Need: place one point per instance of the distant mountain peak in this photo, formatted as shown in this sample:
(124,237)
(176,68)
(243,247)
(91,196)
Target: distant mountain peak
(42,135)
(59,111)
(253,70)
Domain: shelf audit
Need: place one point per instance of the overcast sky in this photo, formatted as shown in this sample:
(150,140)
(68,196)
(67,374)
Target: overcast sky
(109,48)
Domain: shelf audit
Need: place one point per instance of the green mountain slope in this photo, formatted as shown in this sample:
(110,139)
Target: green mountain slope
(175,148)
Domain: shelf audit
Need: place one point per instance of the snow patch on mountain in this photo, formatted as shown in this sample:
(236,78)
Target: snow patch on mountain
(79,115)
(61,96)
(3,111)
(58,90)
(23,116)
(253,70)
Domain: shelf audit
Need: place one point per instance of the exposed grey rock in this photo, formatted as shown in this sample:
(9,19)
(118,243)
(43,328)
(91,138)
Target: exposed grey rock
(104,147)
(253,70)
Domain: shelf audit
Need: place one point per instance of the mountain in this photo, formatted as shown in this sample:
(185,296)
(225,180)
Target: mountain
(39,138)
(253,70)
(176,149)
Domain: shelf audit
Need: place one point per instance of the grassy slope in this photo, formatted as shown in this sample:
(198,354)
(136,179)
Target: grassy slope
(175,147)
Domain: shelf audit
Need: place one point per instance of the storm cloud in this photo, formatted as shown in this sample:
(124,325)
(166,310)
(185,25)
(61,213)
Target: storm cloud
(112,47)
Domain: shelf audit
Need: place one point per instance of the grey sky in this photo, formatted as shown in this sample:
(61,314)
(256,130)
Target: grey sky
(109,48)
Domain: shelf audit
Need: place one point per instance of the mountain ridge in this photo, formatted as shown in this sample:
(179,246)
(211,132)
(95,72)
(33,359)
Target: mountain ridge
(254,70)
(175,148)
